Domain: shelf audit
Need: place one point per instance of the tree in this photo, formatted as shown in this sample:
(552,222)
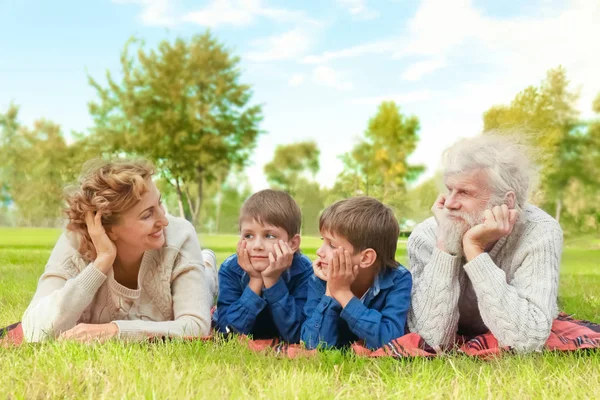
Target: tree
(547,118)
(293,169)
(37,164)
(378,164)
(291,163)
(183,107)
(224,198)
(421,197)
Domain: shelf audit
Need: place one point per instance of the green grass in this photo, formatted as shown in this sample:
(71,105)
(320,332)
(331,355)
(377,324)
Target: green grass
(228,369)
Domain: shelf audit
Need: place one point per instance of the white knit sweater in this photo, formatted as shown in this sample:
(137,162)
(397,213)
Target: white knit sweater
(172,298)
(512,291)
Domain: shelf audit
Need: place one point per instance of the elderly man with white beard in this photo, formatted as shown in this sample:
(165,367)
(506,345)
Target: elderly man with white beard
(487,259)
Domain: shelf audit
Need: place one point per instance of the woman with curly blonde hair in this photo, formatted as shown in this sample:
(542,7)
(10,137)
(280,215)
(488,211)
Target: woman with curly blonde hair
(123,268)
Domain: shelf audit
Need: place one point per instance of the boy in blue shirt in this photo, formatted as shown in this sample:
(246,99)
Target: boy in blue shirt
(359,291)
(262,288)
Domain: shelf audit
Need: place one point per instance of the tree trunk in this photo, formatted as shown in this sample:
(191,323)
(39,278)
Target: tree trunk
(200,198)
(179,198)
(219,201)
(558,209)
(192,207)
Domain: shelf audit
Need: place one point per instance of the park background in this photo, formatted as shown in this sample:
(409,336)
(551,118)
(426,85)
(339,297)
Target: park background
(323,99)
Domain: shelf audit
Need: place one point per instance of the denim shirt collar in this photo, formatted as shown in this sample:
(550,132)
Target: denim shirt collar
(383,280)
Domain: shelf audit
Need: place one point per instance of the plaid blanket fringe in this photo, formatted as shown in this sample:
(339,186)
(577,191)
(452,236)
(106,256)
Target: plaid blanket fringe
(567,334)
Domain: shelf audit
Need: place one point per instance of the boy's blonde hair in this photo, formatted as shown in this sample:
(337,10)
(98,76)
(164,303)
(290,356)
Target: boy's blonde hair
(273,207)
(366,223)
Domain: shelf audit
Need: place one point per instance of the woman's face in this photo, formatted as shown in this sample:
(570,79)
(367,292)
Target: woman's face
(141,227)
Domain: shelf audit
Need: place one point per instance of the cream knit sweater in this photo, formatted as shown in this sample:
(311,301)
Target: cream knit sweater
(172,298)
(512,291)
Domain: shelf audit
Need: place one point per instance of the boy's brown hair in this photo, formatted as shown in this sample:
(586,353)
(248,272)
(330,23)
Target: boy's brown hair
(273,207)
(366,223)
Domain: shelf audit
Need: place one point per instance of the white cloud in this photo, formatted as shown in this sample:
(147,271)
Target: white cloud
(400,98)
(417,70)
(154,12)
(327,76)
(519,50)
(241,13)
(440,25)
(377,47)
(358,8)
(296,80)
(280,47)
(216,13)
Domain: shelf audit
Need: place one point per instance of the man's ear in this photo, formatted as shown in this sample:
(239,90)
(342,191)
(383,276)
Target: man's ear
(367,258)
(510,199)
(295,242)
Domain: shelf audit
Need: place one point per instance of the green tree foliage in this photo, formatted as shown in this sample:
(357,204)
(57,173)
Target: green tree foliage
(36,165)
(291,163)
(223,202)
(293,169)
(183,107)
(546,117)
(420,199)
(311,197)
(378,164)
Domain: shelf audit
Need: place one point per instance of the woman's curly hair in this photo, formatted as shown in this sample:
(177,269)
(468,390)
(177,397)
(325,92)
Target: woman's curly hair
(111,187)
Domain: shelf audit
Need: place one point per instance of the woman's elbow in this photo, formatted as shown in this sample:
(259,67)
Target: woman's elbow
(196,327)
(35,332)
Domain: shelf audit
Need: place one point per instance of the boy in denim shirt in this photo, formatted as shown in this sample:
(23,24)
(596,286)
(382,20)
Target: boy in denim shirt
(359,290)
(262,288)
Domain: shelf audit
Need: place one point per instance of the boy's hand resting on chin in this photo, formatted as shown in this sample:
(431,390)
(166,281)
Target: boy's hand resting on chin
(256,280)
(341,276)
(320,270)
(278,262)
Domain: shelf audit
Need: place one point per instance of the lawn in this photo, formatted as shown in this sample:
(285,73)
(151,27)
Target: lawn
(228,369)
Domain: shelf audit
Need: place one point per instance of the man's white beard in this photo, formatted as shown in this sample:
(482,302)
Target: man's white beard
(455,229)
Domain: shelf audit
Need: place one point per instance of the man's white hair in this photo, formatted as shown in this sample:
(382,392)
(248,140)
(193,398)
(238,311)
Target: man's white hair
(506,161)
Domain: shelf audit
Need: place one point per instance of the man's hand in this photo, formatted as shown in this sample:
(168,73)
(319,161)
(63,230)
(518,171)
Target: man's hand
(256,280)
(86,333)
(498,223)
(106,250)
(278,262)
(341,276)
(438,213)
(438,208)
(319,271)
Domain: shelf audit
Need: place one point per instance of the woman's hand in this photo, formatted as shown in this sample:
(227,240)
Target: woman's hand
(86,333)
(106,250)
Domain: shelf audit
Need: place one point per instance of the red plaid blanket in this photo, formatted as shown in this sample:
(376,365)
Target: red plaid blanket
(567,334)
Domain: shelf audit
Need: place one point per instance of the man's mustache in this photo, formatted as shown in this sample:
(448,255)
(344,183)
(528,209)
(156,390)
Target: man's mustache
(471,219)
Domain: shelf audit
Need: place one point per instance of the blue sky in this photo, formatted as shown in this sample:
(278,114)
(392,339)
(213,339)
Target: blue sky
(319,67)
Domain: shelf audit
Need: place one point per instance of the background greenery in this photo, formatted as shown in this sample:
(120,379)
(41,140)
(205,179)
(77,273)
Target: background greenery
(229,369)
(185,106)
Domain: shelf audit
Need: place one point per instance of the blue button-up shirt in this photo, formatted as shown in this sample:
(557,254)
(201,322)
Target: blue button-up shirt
(277,313)
(377,319)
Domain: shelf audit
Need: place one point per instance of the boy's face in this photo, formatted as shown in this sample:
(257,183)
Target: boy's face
(260,240)
(331,242)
